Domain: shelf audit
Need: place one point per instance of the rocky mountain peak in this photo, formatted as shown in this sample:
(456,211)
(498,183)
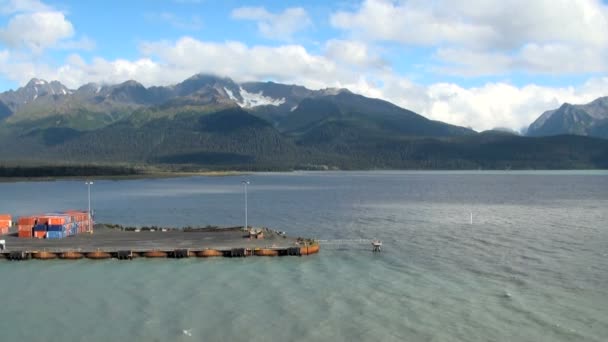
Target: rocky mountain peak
(585,119)
(35,82)
(130,84)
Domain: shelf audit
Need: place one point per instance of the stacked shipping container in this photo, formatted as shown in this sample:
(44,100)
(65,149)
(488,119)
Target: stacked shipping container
(54,226)
(6,221)
(25,226)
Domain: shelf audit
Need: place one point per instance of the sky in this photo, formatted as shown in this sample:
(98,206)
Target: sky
(476,63)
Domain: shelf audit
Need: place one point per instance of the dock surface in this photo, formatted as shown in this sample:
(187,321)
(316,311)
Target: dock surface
(112,240)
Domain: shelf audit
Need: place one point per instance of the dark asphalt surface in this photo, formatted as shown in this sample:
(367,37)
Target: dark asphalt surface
(111,240)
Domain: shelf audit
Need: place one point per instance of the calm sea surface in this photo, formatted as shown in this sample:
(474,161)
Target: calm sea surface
(533,266)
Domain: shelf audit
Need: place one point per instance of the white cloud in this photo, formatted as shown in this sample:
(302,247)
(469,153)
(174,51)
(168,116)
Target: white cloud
(506,24)
(560,58)
(532,36)
(165,63)
(550,59)
(36,31)
(352,52)
(4,57)
(494,104)
(285,63)
(280,26)
(472,63)
(412,22)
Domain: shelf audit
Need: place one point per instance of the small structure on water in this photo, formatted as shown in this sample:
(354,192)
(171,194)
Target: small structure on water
(376,245)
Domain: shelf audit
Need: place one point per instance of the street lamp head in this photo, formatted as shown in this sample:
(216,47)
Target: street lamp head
(88,182)
(245,182)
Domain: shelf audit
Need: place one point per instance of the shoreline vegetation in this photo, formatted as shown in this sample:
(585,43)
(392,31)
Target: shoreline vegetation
(120,172)
(112,172)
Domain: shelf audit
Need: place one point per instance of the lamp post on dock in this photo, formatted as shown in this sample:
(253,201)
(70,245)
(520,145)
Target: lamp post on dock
(89,183)
(245,183)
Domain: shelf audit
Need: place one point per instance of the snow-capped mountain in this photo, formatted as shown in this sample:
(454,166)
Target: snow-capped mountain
(40,98)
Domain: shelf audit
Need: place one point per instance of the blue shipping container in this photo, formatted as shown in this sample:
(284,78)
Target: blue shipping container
(55,235)
(56,228)
(40,228)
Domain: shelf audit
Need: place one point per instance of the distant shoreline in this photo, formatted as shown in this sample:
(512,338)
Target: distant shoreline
(52,173)
(36,174)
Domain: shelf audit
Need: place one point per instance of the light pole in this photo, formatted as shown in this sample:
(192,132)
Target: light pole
(89,183)
(245,183)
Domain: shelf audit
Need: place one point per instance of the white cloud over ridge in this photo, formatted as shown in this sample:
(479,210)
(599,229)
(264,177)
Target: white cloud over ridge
(279,26)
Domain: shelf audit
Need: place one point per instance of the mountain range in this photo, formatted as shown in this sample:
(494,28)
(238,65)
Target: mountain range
(211,122)
(589,119)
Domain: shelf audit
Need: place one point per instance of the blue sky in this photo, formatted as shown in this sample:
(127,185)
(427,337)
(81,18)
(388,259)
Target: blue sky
(474,63)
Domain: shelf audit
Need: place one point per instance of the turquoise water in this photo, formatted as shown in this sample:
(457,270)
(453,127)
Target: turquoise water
(533,266)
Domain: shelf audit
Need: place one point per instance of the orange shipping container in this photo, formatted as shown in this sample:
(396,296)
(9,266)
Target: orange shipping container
(42,220)
(24,228)
(5,217)
(40,235)
(5,223)
(4,231)
(27,220)
(25,234)
(53,220)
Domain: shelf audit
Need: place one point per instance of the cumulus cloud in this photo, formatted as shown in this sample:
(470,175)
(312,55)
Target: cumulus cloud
(533,36)
(353,52)
(412,22)
(285,63)
(502,104)
(36,31)
(35,27)
(494,104)
(166,62)
(533,58)
(279,26)
(478,22)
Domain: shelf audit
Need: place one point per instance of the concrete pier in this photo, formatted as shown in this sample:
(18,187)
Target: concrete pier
(107,243)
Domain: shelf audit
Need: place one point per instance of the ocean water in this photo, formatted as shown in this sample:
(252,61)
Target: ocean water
(533,265)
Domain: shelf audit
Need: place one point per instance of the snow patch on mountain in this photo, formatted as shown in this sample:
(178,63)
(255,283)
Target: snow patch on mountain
(250,100)
(231,95)
(258,99)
